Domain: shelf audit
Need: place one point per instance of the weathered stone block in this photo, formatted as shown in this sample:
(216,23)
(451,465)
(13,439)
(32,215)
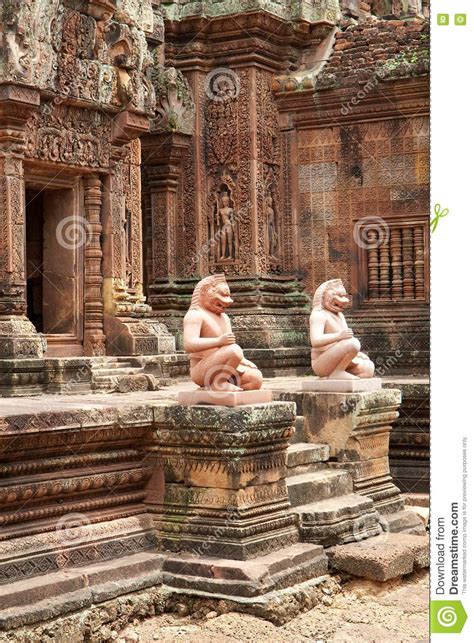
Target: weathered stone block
(224,469)
(357,428)
(382,558)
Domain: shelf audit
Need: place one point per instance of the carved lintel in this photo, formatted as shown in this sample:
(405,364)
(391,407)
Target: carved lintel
(128,126)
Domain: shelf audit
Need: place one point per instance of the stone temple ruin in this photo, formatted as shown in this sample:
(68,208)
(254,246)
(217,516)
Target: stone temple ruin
(146,144)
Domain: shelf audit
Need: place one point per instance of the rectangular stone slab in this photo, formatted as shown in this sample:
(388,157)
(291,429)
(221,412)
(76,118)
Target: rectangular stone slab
(238,579)
(342,386)
(223,398)
(382,558)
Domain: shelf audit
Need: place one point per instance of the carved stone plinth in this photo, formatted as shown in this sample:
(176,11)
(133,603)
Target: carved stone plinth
(21,377)
(224,398)
(68,375)
(138,336)
(342,386)
(225,493)
(357,428)
(221,502)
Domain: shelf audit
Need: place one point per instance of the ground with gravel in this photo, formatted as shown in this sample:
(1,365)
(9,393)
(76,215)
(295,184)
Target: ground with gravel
(395,611)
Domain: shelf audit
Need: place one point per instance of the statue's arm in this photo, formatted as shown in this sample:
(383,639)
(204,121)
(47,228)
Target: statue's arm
(193,342)
(317,335)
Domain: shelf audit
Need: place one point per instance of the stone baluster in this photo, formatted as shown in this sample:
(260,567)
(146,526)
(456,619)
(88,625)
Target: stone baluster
(384,267)
(396,261)
(373,265)
(419,262)
(408,264)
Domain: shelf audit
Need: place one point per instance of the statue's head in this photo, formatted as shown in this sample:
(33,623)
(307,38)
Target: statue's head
(212,293)
(225,198)
(332,296)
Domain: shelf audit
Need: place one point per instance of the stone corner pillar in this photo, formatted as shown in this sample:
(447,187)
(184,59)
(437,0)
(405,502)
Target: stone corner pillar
(357,428)
(162,158)
(222,503)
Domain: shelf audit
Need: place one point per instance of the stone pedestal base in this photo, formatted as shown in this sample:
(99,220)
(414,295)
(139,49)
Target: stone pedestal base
(324,385)
(225,493)
(223,398)
(135,336)
(21,377)
(357,426)
(19,339)
(236,579)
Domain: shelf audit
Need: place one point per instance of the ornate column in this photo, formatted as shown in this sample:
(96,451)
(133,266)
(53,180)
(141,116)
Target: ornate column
(18,336)
(94,338)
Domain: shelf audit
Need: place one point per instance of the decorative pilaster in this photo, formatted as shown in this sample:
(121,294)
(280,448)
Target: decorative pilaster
(94,338)
(163,155)
(18,337)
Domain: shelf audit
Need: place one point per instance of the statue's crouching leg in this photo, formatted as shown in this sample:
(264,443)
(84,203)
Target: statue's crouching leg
(251,379)
(219,370)
(364,369)
(334,362)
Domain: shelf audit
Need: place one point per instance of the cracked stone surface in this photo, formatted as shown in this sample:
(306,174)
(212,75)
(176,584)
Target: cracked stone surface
(393,612)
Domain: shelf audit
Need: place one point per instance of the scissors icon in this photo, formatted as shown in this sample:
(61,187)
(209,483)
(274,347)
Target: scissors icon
(439,214)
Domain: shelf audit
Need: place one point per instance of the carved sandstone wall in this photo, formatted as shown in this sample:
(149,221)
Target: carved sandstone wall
(359,128)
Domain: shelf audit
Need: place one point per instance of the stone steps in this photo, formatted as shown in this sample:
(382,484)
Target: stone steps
(304,457)
(338,520)
(107,373)
(318,485)
(44,597)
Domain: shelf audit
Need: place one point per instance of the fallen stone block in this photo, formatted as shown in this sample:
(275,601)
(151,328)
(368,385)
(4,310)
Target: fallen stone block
(381,558)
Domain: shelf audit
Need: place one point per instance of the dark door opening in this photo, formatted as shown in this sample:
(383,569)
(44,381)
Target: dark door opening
(53,270)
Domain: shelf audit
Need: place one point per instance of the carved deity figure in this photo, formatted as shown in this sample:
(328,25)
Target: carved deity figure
(335,352)
(228,236)
(216,360)
(272,228)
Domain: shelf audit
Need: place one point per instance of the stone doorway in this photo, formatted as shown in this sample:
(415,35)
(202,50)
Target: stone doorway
(54,267)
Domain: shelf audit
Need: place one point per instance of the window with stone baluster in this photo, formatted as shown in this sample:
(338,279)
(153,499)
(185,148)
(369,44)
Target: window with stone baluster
(393,261)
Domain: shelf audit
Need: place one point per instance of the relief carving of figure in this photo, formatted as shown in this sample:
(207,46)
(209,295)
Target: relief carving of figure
(335,352)
(217,361)
(272,227)
(227,229)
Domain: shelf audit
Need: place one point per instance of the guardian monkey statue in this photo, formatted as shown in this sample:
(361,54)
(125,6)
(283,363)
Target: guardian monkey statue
(217,362)
(335,352)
